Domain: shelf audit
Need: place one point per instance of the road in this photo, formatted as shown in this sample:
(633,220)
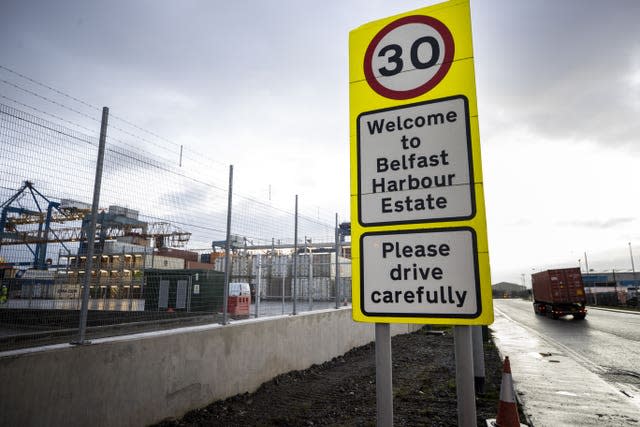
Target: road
(571,372)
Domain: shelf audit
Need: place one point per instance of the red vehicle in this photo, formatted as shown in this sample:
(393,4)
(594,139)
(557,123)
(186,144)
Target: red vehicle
(559,293)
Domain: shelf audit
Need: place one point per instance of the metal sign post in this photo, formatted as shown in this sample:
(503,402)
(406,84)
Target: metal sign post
(384,383)
(478,359)
(464,376)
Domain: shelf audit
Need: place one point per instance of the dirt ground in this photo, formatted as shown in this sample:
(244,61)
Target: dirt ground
(342,392)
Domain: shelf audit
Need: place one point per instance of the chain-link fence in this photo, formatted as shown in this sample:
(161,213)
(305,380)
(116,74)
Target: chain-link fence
(159,252)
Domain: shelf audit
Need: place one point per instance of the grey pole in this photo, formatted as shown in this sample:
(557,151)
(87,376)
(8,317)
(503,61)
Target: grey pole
(259,285)
(593,286)
(310,279)
(271,286)
(295,258)
(227,252)
(586,263)
(384,386)
(633,269)
(337,263)
(91,232)
(464,376)
(284,276)
(478,359)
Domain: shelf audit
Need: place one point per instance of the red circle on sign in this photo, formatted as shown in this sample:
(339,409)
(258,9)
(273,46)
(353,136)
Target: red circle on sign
(449,48)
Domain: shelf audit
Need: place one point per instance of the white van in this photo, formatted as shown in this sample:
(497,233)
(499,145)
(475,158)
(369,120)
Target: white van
(237,289)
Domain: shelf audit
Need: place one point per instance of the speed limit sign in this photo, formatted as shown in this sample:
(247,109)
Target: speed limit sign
(408,57)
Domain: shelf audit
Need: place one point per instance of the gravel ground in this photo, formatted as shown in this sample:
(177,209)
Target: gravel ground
(342,392)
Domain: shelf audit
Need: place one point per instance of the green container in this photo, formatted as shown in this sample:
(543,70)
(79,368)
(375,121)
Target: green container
(194,291)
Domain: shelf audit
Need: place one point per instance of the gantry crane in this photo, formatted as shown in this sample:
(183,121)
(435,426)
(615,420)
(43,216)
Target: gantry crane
(22,212)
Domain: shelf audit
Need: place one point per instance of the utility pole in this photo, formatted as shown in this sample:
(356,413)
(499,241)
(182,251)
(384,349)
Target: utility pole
(593,286)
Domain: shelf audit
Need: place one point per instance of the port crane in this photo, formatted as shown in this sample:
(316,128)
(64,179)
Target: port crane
(30,218)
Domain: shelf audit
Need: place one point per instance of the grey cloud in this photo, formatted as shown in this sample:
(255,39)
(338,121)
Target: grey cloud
(561,68)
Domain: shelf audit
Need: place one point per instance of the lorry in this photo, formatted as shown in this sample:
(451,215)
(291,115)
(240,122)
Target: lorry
(559,292)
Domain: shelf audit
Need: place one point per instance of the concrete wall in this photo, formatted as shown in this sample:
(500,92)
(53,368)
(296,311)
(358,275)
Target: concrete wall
(142,379)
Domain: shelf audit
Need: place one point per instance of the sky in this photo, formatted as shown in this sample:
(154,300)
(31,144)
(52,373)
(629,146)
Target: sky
(558,85)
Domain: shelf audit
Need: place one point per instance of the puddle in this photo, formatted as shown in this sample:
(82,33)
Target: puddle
(566,393)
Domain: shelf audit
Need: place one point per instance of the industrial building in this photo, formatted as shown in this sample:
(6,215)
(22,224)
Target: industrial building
(612,287)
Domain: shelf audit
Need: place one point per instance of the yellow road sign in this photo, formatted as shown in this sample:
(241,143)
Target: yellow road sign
(418,226)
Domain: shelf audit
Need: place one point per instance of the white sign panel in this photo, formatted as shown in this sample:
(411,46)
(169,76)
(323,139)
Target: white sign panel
(414,163)
(420,273)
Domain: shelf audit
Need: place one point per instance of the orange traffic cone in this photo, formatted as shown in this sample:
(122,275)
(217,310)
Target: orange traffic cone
(507,408)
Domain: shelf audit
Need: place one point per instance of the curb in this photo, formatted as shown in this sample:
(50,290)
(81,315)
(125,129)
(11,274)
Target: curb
(637,313)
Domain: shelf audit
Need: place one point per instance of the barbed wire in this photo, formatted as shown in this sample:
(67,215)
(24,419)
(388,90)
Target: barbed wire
(44,98)
(22,104)
(93,107)
(59,92)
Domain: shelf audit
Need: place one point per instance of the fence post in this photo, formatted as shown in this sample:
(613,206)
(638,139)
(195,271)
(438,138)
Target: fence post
(91,232)
(271,288)
(227,271)
(284,276)
(258,285)
(295,258)
(337,263)
(310,279)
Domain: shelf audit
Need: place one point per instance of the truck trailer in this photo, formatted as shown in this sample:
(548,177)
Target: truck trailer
(559,293)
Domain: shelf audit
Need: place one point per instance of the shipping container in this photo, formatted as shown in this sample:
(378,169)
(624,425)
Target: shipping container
(559,293)
(74,204)
(163,262)
(191,265)
(178,253)
(122,211)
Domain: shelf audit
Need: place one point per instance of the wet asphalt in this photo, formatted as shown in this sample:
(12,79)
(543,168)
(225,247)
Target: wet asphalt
(568,372)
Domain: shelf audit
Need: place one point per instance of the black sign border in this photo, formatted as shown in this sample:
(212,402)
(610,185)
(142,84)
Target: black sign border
(476,269)
(469,155)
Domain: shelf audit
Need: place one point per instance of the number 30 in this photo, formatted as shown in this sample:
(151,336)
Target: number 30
(396,56)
